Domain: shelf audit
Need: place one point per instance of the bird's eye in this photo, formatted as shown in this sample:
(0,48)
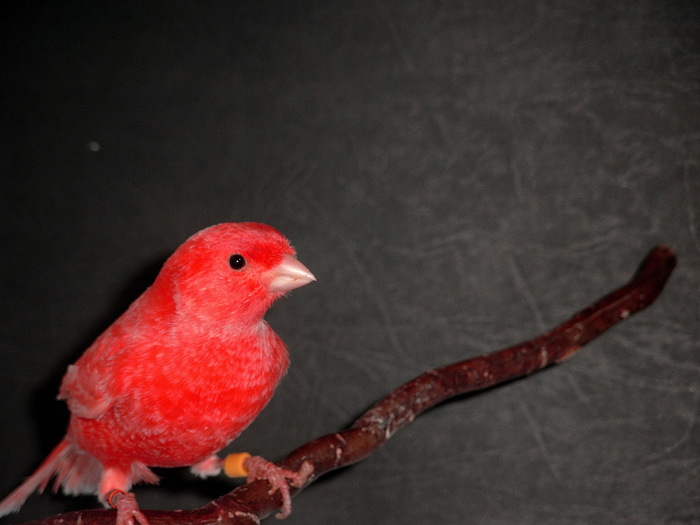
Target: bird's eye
(236,261)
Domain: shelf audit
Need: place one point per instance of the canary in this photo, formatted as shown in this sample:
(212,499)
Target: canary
(179,375)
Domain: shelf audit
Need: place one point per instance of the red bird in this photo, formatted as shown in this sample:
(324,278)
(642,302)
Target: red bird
(180,374)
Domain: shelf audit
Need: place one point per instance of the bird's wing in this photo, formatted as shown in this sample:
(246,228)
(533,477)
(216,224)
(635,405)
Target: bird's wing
(88,386)
(83,392)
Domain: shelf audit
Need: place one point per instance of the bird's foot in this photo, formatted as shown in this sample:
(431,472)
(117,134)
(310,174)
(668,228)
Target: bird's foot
(128,512)
(260,468)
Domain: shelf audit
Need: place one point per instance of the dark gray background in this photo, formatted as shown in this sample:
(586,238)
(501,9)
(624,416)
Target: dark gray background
(460,176)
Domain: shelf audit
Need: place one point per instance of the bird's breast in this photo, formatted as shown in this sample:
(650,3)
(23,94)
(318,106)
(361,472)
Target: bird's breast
(177,406)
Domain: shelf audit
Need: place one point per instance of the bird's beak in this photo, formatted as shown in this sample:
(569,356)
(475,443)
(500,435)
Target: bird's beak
(289,274)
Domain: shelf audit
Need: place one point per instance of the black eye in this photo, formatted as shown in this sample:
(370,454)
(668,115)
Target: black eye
(236,261)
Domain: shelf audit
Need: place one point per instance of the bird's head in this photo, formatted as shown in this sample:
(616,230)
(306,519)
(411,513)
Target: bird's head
(232,271)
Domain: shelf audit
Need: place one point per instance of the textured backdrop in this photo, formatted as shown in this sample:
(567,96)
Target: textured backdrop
(460,176)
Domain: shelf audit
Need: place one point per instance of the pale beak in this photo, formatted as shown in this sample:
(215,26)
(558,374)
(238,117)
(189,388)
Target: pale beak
(289,274)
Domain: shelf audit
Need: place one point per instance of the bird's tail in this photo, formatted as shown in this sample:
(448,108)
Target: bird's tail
(77,471)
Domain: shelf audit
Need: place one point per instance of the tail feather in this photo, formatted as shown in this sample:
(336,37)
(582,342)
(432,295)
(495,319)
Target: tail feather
(76,471)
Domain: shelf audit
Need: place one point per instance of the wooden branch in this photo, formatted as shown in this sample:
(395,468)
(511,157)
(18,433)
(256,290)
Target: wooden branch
(250,503)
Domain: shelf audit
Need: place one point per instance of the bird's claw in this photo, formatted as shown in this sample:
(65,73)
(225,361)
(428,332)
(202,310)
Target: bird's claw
(128,512)
(260,468)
